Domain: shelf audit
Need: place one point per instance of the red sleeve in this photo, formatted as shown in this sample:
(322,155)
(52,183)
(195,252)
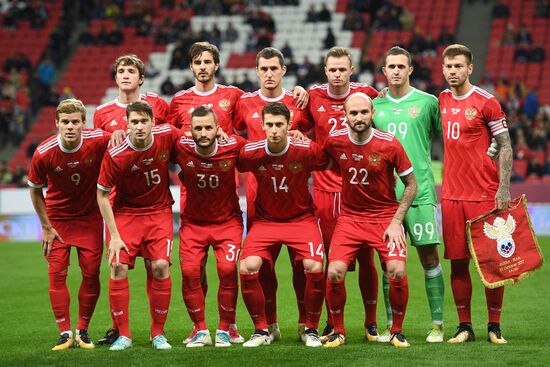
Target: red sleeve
(173,115)
(107,174)
(371,92)
(245,163)
(494,116)
(318,159)
(239,124)
(400,160)
(38,171)
(162,110)
(97,121)
(305,122)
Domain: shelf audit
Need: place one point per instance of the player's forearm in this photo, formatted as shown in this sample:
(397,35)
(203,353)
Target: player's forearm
(409,193)
(107,212)
(505,160)
(39,204)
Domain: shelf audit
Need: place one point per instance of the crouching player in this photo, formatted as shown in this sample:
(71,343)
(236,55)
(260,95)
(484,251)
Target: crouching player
(284,215)
(68,164)
(140,220)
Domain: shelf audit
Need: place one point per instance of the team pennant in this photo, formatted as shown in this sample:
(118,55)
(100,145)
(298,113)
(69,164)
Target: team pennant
(503,245)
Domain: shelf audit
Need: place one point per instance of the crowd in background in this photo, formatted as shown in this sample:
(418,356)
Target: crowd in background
(24,88)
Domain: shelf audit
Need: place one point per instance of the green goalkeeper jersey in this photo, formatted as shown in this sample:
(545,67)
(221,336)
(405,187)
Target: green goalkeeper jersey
(413,119)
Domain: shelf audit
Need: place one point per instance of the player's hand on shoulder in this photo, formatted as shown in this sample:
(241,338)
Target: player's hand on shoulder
(49,235)
(115,246)
(394,235)
(493,149)
(117,137)
(297,136)
(222,136)
(301,97)
(383,92)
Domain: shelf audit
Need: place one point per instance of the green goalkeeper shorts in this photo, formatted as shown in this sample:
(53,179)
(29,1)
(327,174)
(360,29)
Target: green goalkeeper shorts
(421,225)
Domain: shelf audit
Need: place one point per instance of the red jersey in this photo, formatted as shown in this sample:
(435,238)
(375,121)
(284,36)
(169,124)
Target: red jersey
(282,193)
(367,170)
(140,175)
(221,99)
(71,175)
(248,114)
(111,116)
(327,110)
(209,180)
(468,123)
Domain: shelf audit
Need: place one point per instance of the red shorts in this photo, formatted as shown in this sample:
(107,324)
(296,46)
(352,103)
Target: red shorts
(251,188)
(303,237)
(149,236)
(225,238)
(327,209)
(86,234)
(350,237)
(454,215)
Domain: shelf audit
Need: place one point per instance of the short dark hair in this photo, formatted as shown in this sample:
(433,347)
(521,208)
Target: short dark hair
(269,53)
(396,50)
(277,109)
(132,60)
(140,107)
(457,50)
(198,48)
(338,52)
(202,111)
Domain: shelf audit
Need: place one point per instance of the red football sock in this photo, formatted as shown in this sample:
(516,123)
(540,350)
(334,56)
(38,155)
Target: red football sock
(494,303)
(60,300)
(87,299)
(204,281)
(399,297)
(193,295)
(329,316)
(161,290)
(148,287)
(254,299)
(314,295)
(268,280)
(368,284)
(462,289)
(227,294)
(119,297)
(299,283)
(336,299)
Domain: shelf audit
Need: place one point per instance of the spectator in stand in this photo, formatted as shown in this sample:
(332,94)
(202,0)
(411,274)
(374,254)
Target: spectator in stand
(247,85)
(353,21)
(186,84)
(521,149)
(521,55)
(542,8)
(509,36)
(531,104)
(312,16)
(291,66)
(67,93)
(231,34)
(144,27)
(263,39)
(366,64)
(87,39)
(501,10)
(102,36)
(537,141)
(537,54)
(523,37)
(287,51)
(46,76)
(165,33)
(330,39)
(19,176)
(5,174)
(534,168)
(116,37)
(417,43)
(324,14)
(446,38)
(167,87)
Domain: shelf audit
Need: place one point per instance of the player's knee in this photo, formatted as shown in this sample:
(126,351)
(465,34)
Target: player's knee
(251,264)
(227,274)
(57,277)
(334,273)
(396,272)
(119,271)
(191,276)
(313,266)
(160,269)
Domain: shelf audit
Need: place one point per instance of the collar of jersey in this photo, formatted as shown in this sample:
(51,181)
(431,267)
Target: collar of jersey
(65,150)
(460,98)
(360,142)
(402,98)
(208,155)
(140,149)
(207,93)
(120,104)
(282,152)
(338,96)
(267,99)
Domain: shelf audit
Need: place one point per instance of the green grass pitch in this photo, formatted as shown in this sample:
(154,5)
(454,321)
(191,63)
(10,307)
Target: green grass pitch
(28,331)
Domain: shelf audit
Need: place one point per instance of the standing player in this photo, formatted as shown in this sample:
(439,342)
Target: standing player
(270,68)
(128,71)
(284,215)
(472,182)
(371,215)
(211,217)
(326,107)
(68,164)
(412,116)
(140,219)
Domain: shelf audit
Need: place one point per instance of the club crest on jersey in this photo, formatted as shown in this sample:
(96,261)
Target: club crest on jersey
(357,157)
(147,161)
(295,166)
(73,164)
(224,104)
(501,230)
(163,156)
(414,111)
(470,113)
(374,159)
(225,164)
(89,160)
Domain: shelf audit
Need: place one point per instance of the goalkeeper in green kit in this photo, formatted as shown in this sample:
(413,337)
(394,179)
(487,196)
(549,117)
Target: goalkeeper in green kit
(413,117)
